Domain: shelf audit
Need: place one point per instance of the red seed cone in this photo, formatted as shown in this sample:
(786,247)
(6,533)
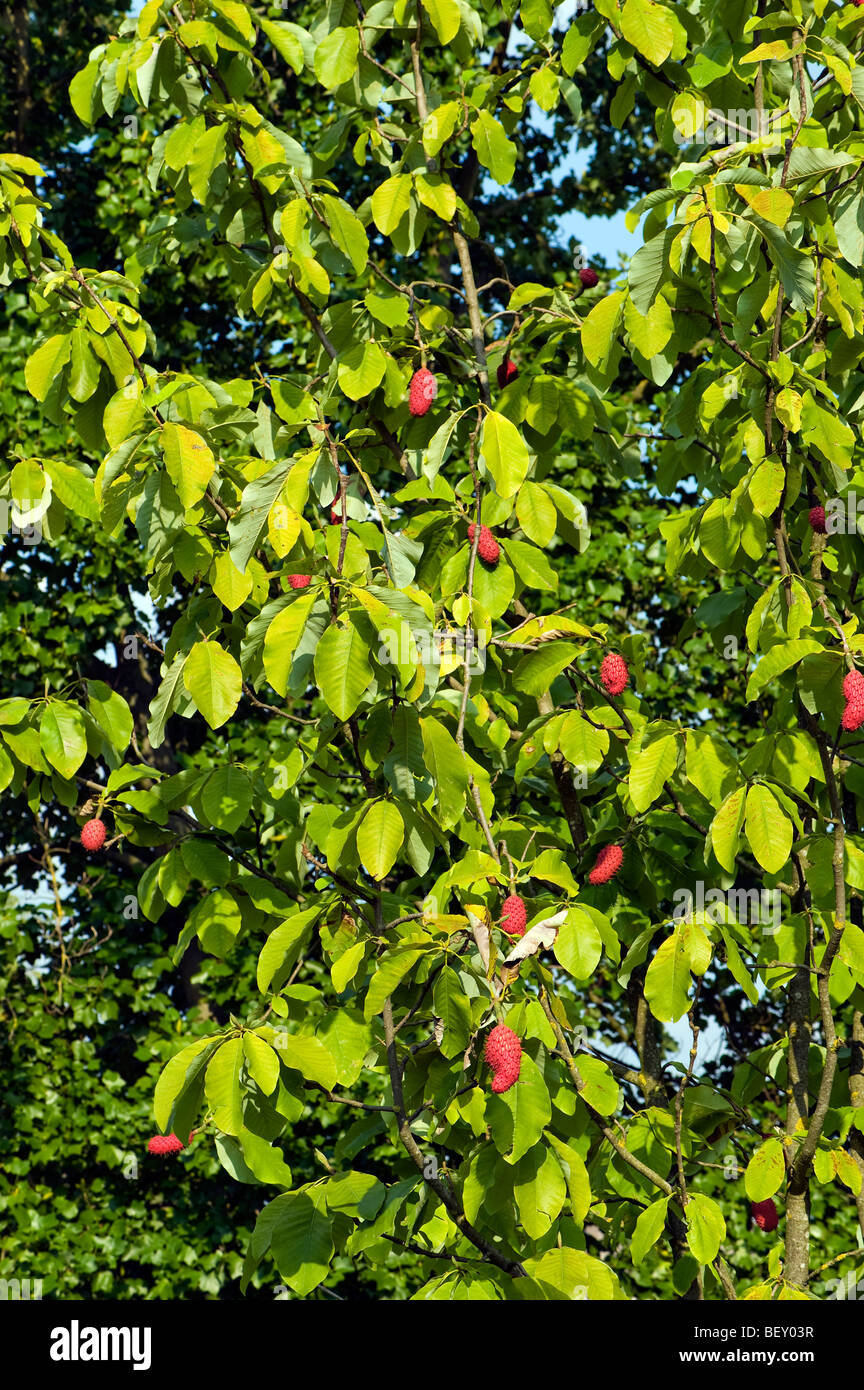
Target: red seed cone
(487,547)
(589,277)
(422,391)
(93,835)
(165,1144)
(299,581)
(614,675)
(503,1052)
(507,372)
(853,690)
(765,1214)
(513,916)
(609,861)
(816,518)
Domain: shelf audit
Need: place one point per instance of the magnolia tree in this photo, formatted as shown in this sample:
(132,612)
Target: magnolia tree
(478,816)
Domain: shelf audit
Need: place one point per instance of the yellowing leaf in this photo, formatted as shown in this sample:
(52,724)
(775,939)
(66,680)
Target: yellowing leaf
(189,462)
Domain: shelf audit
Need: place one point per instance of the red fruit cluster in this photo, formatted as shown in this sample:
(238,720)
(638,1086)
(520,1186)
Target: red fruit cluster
(609,861)
(165,1144)
(507,372)
(853,690)
(765,1214)
(614,675)
(487,547)
(299,581)
(589,277)
(422,391)
(93,835)
(817,514)
(513,916)
(503,1052)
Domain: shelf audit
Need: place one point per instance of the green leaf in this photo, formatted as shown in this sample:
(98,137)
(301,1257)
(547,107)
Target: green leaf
(578,946)
(282,638)
(649,267)
(361,370)
(445,17)
(74,488)
(174,1077)
(494,151)
(517,1117)
(536,513)
(247,526)
(215,682)
(262,1062)
(777,660)
(531,565)
(575,1274)
(706,1228)
(336,57)
(796,268)
(766,486)
(343,970)
(347,231)
(189,461)
(769,830)
(392,969)
(536,671)
(649,1227)
(81,92)
(264,1162)
(390,202)
(650,769)
(379,838)
(226,798)
(446,764)
(646,26)
(766,1171)
(599,1089)
(111,713)
(301,1052)
(440,125)
(359,1195)
(453,1007)
(726,829)
(222,1086)
(284,38)
(216,921)
(166,700)
(438,194)
(738,969)
(283,949)
(301,1242)
(599,329)
(231,586)
(63,736)
(46,364)
(667,981)
(583,745)
(576,1175)
(342,668)
(539,1189)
